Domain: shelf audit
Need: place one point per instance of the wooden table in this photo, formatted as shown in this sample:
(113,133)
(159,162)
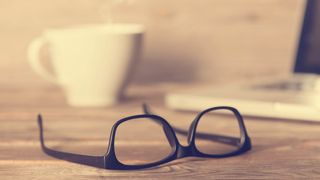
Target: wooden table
(281,149)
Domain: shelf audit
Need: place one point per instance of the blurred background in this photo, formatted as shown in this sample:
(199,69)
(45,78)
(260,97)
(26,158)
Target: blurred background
(187,41)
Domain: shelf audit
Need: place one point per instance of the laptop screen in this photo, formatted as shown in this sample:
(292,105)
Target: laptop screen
(308,54)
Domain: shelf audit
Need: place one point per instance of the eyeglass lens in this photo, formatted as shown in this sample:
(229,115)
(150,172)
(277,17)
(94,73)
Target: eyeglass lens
(147,147)
(218,124)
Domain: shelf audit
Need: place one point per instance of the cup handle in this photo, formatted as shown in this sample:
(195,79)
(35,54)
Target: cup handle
(35,62)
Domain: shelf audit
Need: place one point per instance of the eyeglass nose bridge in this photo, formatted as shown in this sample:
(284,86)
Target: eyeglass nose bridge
(184,151)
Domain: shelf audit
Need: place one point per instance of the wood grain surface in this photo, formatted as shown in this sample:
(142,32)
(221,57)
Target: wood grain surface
(281,149)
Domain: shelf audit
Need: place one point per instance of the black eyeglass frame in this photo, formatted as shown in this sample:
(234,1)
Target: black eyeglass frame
(110,161)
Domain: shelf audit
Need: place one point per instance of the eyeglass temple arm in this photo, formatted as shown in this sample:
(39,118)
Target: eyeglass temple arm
(95,161)
(211,137)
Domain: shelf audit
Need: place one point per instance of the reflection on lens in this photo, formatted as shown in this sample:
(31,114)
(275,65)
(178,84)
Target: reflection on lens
(218,132)
(135,145)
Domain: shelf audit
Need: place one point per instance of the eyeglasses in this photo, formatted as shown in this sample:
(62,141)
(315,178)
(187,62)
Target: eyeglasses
(202,141)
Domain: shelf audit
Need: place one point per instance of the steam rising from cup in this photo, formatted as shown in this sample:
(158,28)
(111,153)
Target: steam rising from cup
(107,8)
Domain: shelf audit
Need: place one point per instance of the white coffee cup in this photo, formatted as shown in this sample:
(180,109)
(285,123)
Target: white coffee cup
(92,63)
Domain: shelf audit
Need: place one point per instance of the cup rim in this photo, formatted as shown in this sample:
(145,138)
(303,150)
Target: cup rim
(102,28)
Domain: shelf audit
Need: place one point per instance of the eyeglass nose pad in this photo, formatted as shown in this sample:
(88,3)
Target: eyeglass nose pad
(169,136)
(167,130)
(190,130)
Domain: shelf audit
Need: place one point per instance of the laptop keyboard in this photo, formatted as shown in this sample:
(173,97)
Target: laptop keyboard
(288,86)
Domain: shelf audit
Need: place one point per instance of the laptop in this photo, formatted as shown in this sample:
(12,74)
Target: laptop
(296,97)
